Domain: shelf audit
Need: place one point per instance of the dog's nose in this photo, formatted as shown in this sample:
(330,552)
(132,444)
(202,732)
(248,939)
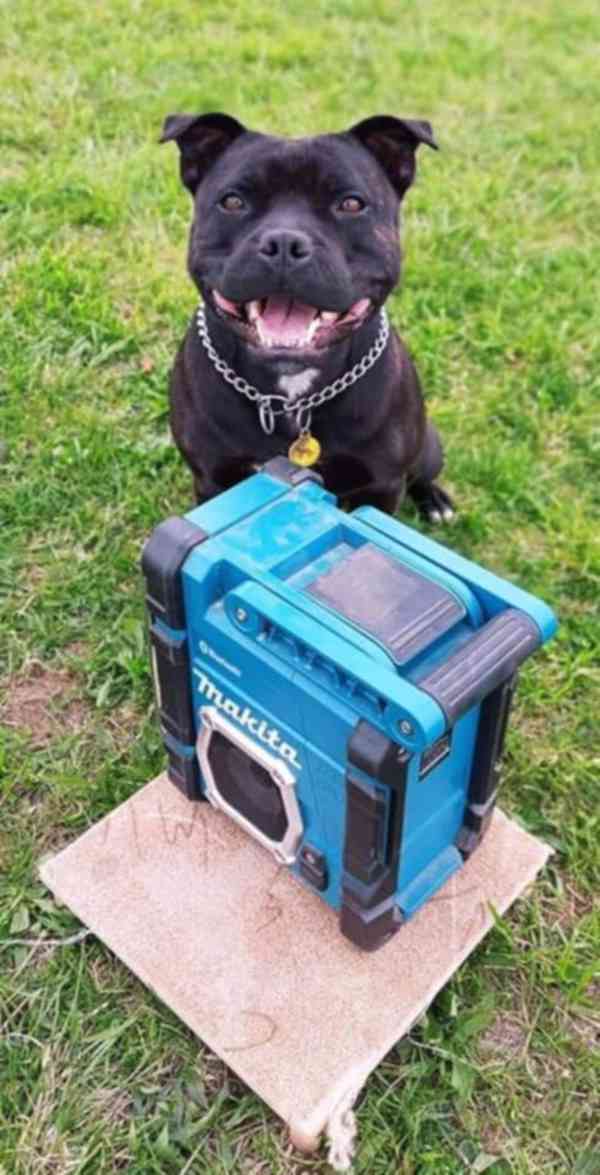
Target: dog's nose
(285,246)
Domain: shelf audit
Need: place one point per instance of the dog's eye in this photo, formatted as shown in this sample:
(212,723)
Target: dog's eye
(352,204)
(231,202)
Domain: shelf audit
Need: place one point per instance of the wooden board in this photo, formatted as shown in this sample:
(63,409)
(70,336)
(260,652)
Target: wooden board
(254,963)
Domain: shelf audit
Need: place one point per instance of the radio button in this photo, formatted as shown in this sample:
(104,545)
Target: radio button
(313,867)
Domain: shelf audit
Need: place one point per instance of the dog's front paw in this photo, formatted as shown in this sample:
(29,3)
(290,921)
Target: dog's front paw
(432,502)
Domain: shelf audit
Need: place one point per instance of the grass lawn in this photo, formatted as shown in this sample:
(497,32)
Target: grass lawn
(501,288)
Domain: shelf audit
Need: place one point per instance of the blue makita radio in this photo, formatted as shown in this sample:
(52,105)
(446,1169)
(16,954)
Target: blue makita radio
(338,684)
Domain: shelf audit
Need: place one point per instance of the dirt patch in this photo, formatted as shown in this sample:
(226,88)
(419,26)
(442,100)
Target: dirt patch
(36,575)
(114,1106)
(583,1022)
(45,702)
(493,1138)
(124,724)
(76,649)
(585,1029)
(505,1035)
(565,909)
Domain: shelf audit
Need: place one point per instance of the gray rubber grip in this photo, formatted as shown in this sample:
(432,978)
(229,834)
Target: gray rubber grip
(486,660)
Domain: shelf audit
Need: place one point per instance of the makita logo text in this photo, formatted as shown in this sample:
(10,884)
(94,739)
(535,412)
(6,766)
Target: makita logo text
(244,716)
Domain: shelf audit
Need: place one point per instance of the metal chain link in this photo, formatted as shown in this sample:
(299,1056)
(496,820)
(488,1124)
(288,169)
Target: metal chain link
(302,409)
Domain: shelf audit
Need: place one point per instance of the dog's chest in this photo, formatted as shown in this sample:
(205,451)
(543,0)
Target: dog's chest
(294,387)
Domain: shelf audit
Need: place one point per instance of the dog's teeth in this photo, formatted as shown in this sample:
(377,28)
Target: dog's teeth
(253,311)
(329,315)
(312,328)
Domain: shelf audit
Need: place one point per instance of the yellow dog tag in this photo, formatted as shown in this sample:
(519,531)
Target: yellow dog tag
(305,450)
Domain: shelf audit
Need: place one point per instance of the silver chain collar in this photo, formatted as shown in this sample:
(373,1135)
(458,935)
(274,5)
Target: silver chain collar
(302,409)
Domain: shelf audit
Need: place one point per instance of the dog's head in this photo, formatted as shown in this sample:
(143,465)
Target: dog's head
(294,242)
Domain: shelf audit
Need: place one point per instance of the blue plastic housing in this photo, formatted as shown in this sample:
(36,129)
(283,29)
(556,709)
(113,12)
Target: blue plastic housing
(369,666)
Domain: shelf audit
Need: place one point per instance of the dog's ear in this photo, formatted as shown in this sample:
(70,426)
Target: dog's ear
(201,138)
(393,142)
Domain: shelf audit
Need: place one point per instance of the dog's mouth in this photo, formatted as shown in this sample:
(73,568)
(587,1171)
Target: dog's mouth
(281,321)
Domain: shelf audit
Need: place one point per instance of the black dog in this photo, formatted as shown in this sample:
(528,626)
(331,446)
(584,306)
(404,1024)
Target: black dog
(294,247)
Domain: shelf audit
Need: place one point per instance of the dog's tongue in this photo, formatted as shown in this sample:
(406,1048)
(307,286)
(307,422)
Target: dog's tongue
(286,321)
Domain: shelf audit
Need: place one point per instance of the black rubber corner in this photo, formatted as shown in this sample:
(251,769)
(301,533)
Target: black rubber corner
(184,773)
(376,755)
(370,929)
(284,470)
(369,915)
(483,782)
(162,558)
(171,671)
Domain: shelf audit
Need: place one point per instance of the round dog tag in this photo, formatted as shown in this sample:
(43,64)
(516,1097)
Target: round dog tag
(305,450)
